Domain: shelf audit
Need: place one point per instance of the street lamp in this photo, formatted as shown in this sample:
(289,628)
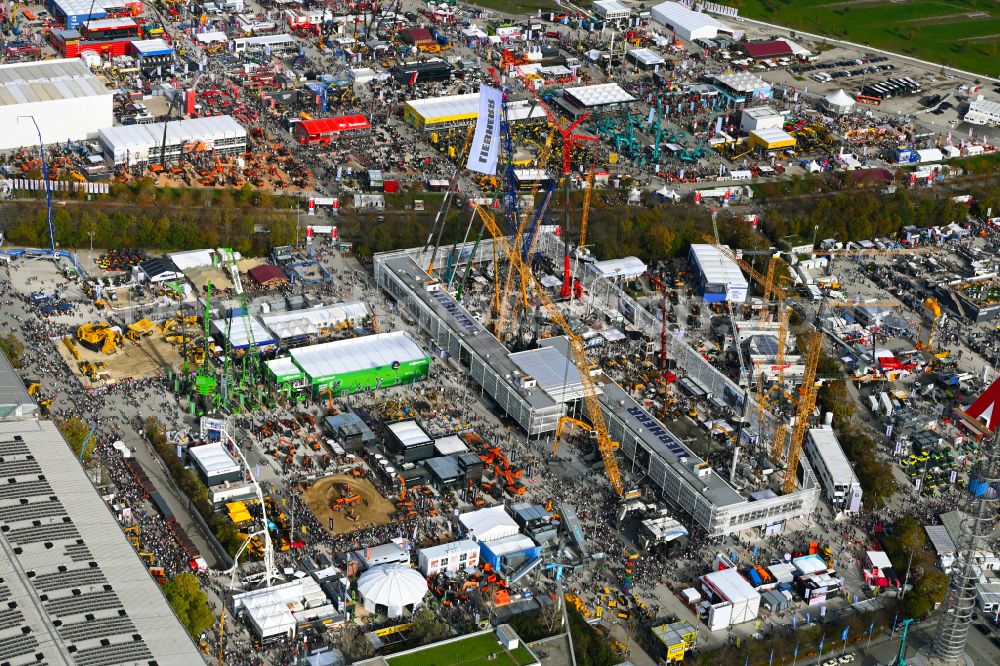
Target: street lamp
(45,176)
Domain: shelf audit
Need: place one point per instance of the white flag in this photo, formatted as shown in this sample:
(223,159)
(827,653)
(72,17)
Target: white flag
(486,143)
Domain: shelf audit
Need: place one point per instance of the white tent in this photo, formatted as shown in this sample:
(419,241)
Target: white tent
(626,267)
(394,587)
(312,321)
(666,194)
(488,524)
(688,24)
(839,102)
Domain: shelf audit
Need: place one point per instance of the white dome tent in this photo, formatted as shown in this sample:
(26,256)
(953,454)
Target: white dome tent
(839,102)
(392,589)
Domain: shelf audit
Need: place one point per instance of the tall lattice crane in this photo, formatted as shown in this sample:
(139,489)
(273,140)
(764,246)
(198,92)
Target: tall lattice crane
(583,364)
(570,139)
(504,300)
(434,238)
(806,405)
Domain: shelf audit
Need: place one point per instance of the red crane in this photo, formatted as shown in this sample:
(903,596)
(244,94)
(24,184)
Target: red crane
(570,139)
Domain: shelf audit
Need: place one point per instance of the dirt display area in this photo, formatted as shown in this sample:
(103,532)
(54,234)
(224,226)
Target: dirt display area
(130,362)
(371,509)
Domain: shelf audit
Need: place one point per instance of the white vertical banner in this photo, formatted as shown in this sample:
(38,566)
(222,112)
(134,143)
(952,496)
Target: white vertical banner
(485,151)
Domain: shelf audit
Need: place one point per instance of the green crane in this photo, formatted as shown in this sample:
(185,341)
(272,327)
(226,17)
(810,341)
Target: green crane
(901,657)
(205,383)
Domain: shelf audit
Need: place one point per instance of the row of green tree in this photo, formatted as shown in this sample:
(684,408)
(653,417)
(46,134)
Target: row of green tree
(808,206)
(859,446)
(13,349)
(251,232)
(189,483)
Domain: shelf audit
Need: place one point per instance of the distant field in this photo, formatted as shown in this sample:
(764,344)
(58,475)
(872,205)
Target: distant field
(960,33)
(516,6)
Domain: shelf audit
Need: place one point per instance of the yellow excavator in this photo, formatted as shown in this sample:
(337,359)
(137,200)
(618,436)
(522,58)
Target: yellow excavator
(100,337)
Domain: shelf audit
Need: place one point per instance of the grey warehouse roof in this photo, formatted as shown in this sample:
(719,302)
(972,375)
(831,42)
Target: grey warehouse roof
(48,80)
(555,373)
(74,590)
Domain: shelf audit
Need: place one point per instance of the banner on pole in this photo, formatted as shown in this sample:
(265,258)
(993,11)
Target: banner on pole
(485,151)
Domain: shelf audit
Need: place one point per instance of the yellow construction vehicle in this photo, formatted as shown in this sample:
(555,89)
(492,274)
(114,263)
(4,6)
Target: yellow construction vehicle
(68,341)
(94,371)
(34,387)
(139,330)
(100,337)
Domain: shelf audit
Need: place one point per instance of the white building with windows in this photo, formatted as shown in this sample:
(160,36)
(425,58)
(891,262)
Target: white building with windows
(836,476)
(983,112)
(448,557)
(139,144)
(610,10)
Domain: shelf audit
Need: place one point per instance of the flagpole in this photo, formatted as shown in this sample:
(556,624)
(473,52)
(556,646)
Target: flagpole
(871,630)
(819,657)
(795,655)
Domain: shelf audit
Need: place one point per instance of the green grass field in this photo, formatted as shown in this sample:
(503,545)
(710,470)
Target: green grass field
(960,33)
(470,652)
(517,6)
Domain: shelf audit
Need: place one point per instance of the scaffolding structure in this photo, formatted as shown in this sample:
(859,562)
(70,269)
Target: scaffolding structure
(960,602)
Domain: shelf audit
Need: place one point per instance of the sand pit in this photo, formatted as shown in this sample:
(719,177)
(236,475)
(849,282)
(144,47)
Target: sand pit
(131,362)
(373,509)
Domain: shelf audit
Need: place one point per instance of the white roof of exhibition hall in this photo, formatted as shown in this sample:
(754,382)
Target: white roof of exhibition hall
(489,524)
(600,94)
(362,353)
(677,15)
(48,80)
(445,549)
(742,81)
(839,98)
(555,374)
(214,459)
(717,267)
(731,586)
(611,7)
(283,368)
(446,446)
(646,56)
(409,433)
(828,447)
(132,137)
(463,105)
(238,336)
(271,608)
(309,321)
(625,267)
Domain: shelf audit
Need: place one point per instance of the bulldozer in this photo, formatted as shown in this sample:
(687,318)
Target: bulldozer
(100,337)
(33,386)
(139,330)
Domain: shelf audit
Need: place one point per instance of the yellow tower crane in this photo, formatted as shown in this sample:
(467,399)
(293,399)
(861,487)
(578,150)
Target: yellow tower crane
(605,444)
(807,402)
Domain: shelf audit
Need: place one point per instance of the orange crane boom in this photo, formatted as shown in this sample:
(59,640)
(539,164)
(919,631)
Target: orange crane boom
(807,402)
